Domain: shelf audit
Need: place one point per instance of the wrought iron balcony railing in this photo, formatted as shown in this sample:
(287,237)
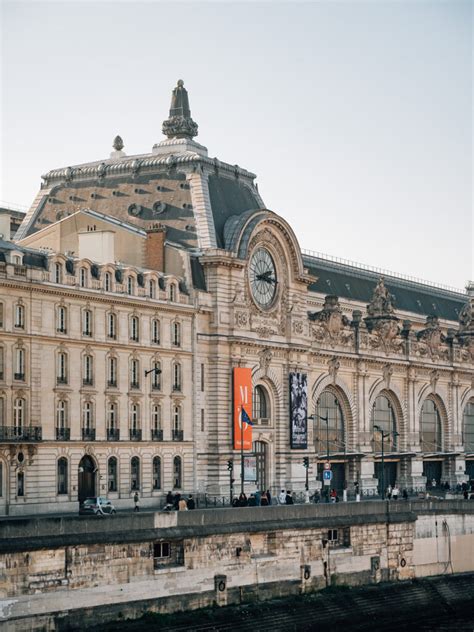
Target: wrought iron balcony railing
(88,434)
(157,434)
(113,434)
(135,435)
(21,433)
(19,376)
(177,435)
(63,434)
(87,381)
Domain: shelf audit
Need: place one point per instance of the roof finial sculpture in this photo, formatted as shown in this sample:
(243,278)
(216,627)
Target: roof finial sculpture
(382,301)
(180,124)
(118,143)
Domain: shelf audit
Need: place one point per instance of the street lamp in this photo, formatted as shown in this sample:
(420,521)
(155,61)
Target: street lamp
(155,370)
(384,436)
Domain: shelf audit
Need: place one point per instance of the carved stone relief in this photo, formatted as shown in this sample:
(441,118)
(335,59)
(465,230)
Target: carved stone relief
(330,324)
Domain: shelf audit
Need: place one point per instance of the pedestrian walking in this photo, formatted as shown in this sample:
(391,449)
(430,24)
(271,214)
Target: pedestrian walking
(288,498)
(282,497)
(190,502)
(389,492)
(169,498)
(182,505)
(395,493)
(136,501)
(306,496)
(264,500)
(269,496)
(333,495)
(405,494)
(252,501)
(243,502)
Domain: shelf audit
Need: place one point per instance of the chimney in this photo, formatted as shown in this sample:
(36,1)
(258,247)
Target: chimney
(155,248)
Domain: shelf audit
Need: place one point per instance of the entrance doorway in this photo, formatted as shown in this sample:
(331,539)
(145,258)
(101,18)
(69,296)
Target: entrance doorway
(86,484)
(433,471)
(389,474)
(260,451)
(470,470)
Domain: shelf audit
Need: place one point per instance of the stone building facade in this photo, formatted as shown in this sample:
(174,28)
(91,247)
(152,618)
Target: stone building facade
(185,241)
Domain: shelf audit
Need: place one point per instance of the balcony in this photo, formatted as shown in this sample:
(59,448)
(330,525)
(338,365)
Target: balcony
(87,381)
(63,434)
(135,435)
(113,434)
(177,435)
(19,376)
(135,385)
(157,434)
(88,434)
(112,383)
(61,379)
(17,433)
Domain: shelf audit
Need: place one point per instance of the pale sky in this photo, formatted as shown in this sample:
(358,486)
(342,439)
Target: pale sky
(355,116)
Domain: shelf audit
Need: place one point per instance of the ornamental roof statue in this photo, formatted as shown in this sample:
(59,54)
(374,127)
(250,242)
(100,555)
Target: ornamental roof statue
(180,124)
(382,303)
(466,315)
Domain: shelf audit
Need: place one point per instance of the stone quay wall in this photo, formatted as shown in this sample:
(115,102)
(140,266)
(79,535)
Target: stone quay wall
(125,565)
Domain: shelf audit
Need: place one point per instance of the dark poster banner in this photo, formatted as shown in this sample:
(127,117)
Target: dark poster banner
(299,410)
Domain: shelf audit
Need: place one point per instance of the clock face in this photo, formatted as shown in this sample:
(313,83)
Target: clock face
(263,278)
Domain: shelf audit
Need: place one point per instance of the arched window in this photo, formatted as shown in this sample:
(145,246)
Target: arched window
(87,417)
(177,430)
(156,417)
(135,473)
(19,319)
(177,473)
(156,472)
(468,426)
(134,373)
(61,368)
(61,419)
(62,475)
(152,288)
(112,421)
(58,273)
(134,328)
(176,334)
(112,474)
(88,375)
(130,285)
(329,424)
(83,277)
(61,319)
(261,407)
(156,376)
(107,282)
(135,431)
(155,331)
(111,326)
(430,427)
(383,417)
(19,364)
(176,376)
(86,322)
(111,371)
(19,414)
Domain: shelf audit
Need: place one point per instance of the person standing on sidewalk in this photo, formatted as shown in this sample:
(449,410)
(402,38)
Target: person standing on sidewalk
(136,500)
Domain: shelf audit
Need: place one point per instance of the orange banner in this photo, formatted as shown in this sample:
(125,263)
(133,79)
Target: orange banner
(242,408)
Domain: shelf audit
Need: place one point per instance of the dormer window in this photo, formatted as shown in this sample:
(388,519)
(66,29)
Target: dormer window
(130,285)
(83,277)
(107,282)
(17,260)
(172,292)
(58,272)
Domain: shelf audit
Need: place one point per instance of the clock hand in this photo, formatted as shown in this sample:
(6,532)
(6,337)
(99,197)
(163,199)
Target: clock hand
(264,276)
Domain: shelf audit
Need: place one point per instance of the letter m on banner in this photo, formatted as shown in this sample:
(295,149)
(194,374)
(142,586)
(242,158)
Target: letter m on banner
(242,408)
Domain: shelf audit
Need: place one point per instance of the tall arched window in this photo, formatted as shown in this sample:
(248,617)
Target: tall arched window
(156,375)
(61,319)
(87,376)
(261,406)
(19,320)
(155,331)
(176,376)
(86,322)
(2,363)
(176,334)
(112,371)
(19,364)
(329,424)
(156,472)
(177,430)
(134,329)
(112,421)
(62,475)
(468,426)
(135,473)
(87,419)
(152,288)
(134,373)
(112,474)
(83,277)
(135,431)
(383,417)
(58,273)
(430,427)
(130,285)
(62,368)
(19,414)
(112,325)
(177,472)
(62,431)
(107,282)
(172,291)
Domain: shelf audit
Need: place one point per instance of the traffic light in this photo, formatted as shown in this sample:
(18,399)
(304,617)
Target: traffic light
(306,462)
(230,465)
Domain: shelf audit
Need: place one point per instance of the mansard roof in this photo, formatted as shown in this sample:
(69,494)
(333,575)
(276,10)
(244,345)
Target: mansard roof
(358,284)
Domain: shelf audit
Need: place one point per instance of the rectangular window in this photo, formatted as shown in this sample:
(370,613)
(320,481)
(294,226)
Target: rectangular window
(161,549)
(202,419)
(87,322)
(202,377)
(339,537)
(21,484)
(19,316)
(1,314)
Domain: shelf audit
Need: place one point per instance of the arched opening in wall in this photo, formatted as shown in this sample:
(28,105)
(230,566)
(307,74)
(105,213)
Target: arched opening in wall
(261,463)
(86,479)
(431,443)
(468,437)
(261,412)
(330,441)
(384,431)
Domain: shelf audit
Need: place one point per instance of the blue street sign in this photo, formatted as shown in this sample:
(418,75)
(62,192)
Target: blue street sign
(327,475)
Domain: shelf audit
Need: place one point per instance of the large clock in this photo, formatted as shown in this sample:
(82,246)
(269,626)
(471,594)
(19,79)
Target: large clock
(263,278)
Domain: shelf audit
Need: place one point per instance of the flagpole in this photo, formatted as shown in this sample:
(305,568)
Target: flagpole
(241,454)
